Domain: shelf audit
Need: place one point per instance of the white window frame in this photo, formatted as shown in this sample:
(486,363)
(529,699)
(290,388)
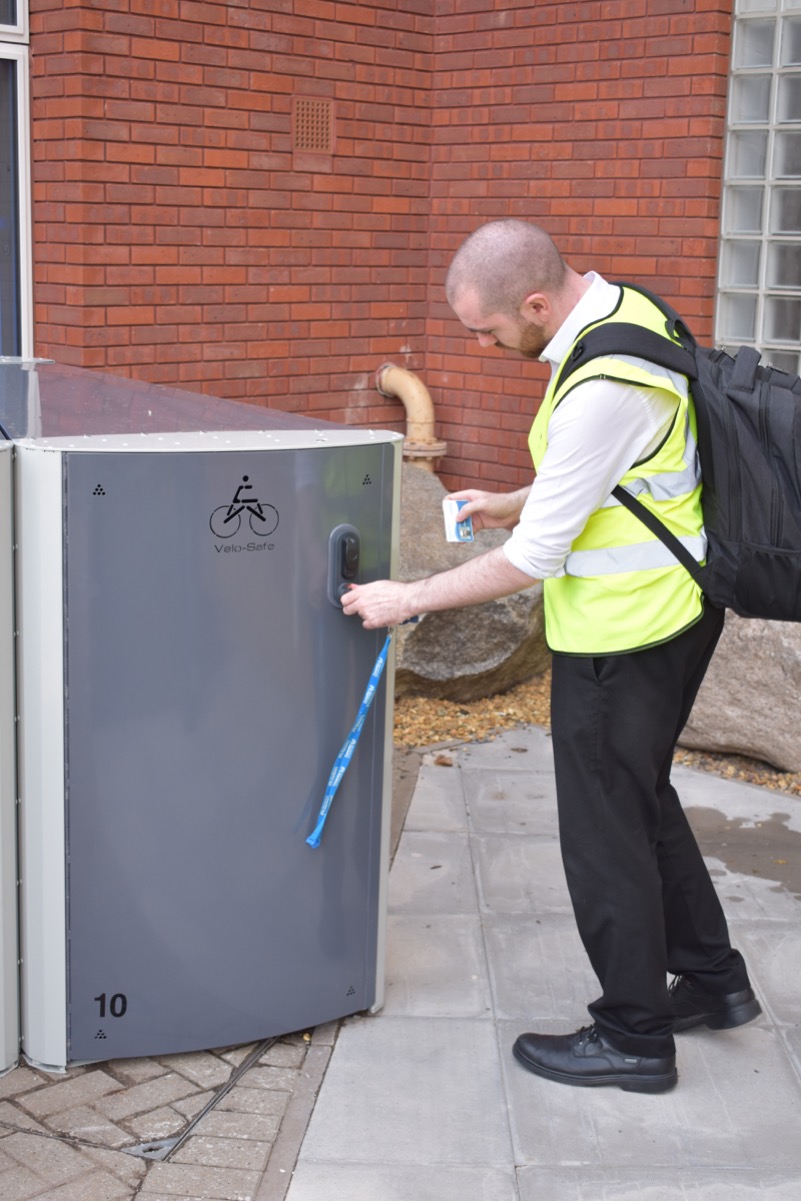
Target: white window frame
(19,54)
(20,31)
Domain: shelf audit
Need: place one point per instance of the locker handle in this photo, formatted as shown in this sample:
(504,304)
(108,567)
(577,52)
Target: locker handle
(344,555)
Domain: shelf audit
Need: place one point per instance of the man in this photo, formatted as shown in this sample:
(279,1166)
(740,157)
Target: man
(631,637)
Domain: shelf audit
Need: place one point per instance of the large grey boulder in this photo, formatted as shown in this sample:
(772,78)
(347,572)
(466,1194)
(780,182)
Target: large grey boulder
(750,700)
(464,654)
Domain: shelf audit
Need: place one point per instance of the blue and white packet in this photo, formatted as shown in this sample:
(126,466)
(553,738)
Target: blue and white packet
(456,531)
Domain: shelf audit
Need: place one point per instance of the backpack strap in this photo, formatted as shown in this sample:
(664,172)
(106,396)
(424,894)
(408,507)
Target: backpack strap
(746,365)
(657,527)
(623,338)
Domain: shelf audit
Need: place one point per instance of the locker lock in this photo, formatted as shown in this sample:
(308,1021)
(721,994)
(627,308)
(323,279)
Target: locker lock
(344,548)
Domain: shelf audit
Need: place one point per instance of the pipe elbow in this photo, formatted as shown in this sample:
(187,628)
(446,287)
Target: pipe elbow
(415,397)
(419,443)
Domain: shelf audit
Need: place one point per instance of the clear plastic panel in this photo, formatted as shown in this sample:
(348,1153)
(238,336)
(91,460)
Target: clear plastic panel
(49,401)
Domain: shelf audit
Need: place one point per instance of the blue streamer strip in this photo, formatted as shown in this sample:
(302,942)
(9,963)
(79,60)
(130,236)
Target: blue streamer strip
(346,753)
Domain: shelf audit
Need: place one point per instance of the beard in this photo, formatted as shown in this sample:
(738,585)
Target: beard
(532,341)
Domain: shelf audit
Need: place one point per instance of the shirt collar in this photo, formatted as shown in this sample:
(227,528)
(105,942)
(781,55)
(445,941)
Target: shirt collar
(600,299)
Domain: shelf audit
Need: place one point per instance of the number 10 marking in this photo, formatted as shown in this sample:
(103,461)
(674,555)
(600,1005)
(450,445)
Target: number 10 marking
(117,1004)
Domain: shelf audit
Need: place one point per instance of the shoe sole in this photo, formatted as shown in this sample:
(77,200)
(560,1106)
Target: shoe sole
(629,1084)
(729,1019)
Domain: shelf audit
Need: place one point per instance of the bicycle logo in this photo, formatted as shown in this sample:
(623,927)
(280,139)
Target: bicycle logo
(226,519)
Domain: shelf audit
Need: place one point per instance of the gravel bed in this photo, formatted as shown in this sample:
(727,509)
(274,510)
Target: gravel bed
(424,722)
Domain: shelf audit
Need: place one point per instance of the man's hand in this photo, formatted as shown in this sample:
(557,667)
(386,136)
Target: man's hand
(491,510)
(382,603)
(390,602)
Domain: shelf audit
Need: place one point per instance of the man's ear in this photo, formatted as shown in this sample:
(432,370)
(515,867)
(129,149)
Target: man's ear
(536,308)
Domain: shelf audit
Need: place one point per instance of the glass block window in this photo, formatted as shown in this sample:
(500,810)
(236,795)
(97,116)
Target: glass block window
(759,278)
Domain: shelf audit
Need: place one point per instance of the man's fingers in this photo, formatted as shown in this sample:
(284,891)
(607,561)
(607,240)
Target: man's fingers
(378,604)
(348,600)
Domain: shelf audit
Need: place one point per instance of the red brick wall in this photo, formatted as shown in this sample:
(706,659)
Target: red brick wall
(178,237)
(604,123)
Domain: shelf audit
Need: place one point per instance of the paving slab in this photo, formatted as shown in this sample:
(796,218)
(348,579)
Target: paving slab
(438,802)
(412,1091)
(449,949)
(662,1184)
(432,873)
(536,966)
(520,875)
(391,1182)
(503,802)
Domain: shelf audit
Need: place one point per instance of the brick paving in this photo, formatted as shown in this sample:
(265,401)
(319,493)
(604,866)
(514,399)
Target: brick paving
(97,1132)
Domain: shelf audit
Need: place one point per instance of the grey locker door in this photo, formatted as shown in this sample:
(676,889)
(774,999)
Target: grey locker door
(210,685)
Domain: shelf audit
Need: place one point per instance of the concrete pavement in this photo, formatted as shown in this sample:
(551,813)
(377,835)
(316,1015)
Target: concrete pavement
(423,1101)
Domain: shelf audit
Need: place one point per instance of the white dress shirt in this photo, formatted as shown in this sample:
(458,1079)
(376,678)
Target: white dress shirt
(596,433)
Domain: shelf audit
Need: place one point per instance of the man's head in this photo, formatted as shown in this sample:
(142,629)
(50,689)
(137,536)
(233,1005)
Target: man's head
(509,285)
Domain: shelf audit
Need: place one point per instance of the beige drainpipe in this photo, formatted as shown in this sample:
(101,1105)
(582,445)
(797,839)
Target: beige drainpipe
(419,446)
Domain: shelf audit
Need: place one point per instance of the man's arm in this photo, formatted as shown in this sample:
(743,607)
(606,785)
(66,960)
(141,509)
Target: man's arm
(389,602)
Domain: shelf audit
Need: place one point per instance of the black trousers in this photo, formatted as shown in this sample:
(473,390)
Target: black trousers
(642,896)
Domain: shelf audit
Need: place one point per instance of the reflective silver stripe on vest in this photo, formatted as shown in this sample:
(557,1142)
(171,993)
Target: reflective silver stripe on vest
(637,556)
(668,485)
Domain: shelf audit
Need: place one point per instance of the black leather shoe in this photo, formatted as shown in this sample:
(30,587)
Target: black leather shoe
(587,1059)
(693,1007)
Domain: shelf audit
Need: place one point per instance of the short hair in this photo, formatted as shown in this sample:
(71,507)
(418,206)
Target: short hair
(503,262)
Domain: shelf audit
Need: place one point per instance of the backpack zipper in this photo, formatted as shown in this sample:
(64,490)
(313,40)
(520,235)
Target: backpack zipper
(775,506)
(735,485)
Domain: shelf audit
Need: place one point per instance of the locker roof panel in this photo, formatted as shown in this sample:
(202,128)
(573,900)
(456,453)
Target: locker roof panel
(46,402)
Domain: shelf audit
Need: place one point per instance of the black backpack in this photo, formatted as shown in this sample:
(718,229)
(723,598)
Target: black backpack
(749,444)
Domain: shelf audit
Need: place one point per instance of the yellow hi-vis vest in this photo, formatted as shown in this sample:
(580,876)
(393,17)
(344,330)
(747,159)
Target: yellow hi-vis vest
(622,589)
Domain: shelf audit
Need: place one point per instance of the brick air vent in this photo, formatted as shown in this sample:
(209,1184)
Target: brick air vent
(313,125)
